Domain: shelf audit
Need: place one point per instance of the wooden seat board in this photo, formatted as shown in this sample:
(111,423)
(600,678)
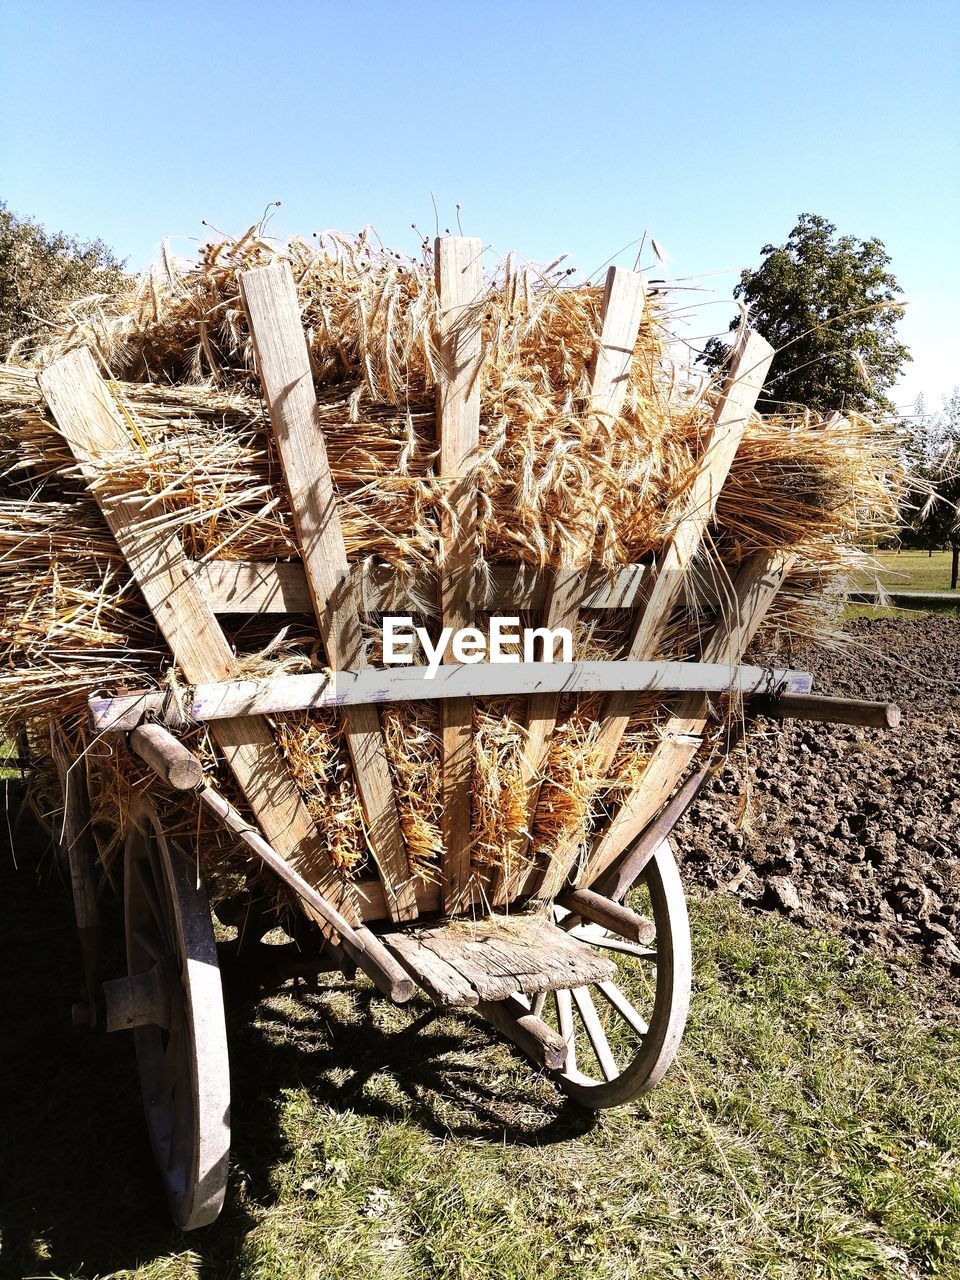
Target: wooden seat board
(494,958)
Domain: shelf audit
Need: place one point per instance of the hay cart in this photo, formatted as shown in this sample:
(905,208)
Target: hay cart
(593,991)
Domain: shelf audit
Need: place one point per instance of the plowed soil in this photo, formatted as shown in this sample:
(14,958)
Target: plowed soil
(854,830)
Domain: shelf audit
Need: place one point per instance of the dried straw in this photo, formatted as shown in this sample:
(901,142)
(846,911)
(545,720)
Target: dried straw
(555,487)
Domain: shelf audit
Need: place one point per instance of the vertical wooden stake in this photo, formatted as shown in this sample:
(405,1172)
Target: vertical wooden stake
(459,276)
(283,362)
(622,313)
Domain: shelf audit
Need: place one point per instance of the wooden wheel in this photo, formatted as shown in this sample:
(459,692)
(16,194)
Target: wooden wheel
(174,1001)
(623,1034)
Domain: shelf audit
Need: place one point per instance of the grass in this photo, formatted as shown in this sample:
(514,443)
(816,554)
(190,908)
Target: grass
(914,571)
(810,1127)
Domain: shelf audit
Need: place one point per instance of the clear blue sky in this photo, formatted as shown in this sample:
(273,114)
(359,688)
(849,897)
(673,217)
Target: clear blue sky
(558,127)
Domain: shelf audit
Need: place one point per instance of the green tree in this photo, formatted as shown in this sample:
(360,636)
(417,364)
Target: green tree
(42,274)
(943,515)
(935,464)
(830,307)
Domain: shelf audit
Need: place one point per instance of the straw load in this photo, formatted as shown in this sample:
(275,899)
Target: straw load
(556,488)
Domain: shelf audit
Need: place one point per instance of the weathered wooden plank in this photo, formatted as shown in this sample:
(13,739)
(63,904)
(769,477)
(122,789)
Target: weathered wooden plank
(277,695)
(459,280)
(93,424)
(501,955)
(441,981)
(283,363)
(621,316)
(699,506)
(272,586)
(754,590)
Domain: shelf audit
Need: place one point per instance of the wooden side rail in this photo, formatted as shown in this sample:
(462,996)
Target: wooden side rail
(226,699)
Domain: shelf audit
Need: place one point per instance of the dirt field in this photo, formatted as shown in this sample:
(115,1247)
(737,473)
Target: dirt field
(853,830)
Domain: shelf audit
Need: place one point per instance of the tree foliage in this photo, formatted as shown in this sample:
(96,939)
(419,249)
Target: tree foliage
(44,274)
(938,522)
(829,306)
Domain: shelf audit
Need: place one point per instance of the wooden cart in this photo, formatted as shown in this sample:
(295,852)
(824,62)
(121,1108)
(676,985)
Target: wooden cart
(593,991)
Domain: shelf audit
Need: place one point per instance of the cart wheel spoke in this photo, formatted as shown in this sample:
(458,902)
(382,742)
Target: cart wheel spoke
(143,870)
(623,1006)
(565,1023)
(595,1033)
(633,1021)
(598,937)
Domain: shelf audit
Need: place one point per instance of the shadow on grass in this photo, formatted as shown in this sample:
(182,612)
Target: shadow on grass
(78,1193)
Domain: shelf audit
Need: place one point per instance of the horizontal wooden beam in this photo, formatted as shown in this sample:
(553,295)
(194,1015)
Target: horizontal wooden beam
(280,586)
(538,1040)
(328,691)
(808,706)
(596,908)
(167,757)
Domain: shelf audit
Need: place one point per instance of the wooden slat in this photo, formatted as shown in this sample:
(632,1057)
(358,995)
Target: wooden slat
(271,586)
(92,423)
(459,280)
(622,313)
(283,362)
(730,419)
(373,903)
(754,590)
(320,692)
(444,984)
(739,399)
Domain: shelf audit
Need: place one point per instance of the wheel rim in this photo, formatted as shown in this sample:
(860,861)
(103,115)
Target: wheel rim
(183,1067)
(623,1034)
